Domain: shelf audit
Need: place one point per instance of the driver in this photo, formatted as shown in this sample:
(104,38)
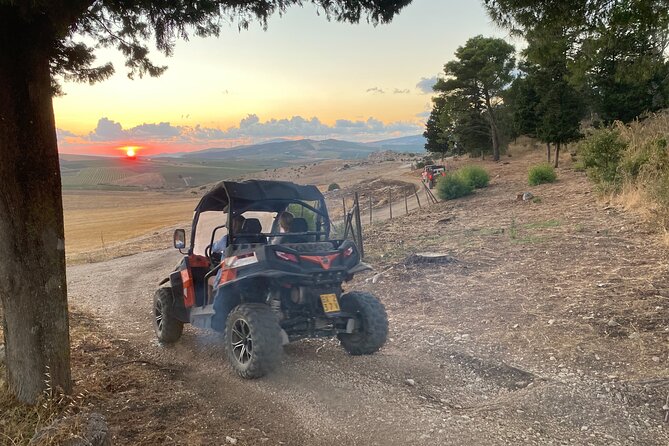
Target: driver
(285,219)
(220,245)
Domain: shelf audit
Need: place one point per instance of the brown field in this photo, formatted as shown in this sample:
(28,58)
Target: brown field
(97,222)
(100,225)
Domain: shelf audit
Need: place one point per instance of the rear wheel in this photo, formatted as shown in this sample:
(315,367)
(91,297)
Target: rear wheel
(253,340)
(168,329)
(371,329)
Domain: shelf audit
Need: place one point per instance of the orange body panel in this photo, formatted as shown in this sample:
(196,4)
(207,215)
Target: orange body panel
(324,261)
(189,289)
(227,275)
(195,261)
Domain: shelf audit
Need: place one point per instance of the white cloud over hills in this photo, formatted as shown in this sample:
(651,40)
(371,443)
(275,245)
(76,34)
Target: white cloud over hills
(251,129)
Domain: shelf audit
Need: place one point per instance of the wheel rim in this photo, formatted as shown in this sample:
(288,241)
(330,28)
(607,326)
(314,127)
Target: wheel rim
(242,343)
(158,315)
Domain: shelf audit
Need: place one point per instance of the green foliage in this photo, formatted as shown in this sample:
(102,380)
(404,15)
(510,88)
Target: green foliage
(614,50)
(475,176)
(453,186)
(435,136)
(542,173)
(601,153)
(333,186)
(468,105)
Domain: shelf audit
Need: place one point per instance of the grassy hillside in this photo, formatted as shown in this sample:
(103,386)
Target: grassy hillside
(101,173)
(289,151)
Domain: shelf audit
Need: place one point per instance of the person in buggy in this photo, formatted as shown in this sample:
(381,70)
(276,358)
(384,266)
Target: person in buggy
(222,243)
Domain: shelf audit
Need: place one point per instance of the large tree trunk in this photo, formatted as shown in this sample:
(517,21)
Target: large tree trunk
(495,141)
(557,153)
(548,152)
(494,131)
(32,271)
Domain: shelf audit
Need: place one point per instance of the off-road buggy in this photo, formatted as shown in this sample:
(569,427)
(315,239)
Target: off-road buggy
(266,288)
(431,174)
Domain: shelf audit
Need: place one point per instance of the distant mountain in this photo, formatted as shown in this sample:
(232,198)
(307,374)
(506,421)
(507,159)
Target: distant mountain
(292,151)
(414,143)
(413,139)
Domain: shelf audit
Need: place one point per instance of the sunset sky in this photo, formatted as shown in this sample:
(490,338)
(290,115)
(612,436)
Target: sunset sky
(303,77)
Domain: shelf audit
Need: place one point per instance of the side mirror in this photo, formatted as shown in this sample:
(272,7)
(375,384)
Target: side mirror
(180,239)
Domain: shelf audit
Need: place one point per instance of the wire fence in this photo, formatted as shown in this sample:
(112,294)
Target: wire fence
(367,207)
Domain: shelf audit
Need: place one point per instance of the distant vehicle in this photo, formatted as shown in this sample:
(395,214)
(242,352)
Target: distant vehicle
(267,288)
(431,174)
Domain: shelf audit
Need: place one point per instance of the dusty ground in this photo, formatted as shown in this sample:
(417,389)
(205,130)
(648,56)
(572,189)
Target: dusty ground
(549,326)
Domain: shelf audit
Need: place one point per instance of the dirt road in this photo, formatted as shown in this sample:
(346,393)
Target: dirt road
(548,327)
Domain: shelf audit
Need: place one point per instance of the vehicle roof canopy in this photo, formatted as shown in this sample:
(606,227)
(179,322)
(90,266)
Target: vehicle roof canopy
(256,195)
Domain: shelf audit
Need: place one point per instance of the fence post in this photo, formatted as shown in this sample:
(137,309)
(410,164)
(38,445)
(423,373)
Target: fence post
(415,191)
(370,208)
(406,203)
(390,202)
(343,202)
(358,223)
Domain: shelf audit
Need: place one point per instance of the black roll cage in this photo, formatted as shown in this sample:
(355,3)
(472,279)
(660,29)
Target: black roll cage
(325,220)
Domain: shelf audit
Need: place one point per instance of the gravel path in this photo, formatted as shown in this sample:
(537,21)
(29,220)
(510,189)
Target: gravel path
(409,393)
(550,328)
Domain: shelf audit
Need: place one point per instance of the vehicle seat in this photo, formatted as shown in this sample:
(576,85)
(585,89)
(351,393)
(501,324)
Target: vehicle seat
(298,225)
(250,232)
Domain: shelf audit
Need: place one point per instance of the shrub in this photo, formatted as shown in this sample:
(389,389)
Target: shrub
(453,186)
(601,153)
(420,164)
(333,186)
(542,173)
(475,176)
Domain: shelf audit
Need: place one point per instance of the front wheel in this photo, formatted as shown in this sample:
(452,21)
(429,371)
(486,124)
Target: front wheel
(371,320)
(253,340)
(168,329)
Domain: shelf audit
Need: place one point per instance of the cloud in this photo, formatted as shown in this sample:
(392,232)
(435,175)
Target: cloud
(425,114)
(346,124)
(295,126)
(106,130)
(108,135)
(163,130)
(375,90)
(425,84)
(249,121)
(62,134)
(403,91)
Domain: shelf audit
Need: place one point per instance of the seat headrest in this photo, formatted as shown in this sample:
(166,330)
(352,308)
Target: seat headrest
(251,226)
(299,225)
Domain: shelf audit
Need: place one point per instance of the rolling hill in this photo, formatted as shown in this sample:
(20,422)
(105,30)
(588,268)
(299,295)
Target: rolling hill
(303,150)
(194,169)
(91,172)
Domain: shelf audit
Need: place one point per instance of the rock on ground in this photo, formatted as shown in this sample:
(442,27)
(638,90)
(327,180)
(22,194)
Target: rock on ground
(77,430)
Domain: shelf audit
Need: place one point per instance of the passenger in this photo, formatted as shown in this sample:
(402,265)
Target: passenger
(285,219)
(237,223)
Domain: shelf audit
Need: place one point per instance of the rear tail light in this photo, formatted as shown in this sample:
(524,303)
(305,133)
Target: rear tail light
(286,256)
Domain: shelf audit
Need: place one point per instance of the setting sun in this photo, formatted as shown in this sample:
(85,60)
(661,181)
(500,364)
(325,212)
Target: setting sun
(130,151)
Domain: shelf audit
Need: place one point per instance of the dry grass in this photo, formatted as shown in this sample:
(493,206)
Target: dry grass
(566,278)
(111,378)
(646,193)
(100,225)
